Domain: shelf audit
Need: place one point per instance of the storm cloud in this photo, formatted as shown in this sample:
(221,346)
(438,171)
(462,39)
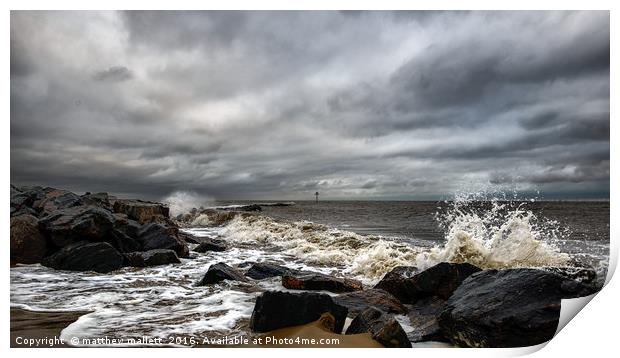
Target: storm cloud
(278,105)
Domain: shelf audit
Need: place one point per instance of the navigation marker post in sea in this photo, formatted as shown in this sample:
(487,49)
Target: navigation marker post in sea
(317,196)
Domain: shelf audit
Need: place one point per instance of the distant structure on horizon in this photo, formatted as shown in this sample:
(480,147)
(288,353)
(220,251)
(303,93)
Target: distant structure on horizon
(317,196)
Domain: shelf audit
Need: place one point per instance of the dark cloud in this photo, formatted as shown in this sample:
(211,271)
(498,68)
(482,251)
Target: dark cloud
(236,104)
(114,74)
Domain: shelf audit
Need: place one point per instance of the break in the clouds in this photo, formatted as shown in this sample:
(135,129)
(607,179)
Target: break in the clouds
(258,105)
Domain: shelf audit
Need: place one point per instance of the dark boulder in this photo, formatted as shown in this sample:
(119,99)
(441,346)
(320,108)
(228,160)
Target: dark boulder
(22,199)
(358,301)
(152,258)
(581,274)
(319,282)
(507,308)
(28,245)
(159,236)
(423,317)
(56,199)
(275,309)
(220,272)
(142,211)
(262,270)
(383,327)
(78,223)
(97,199)
(440,280)
(395,281)
(210,245)
(86,256)
(127,226)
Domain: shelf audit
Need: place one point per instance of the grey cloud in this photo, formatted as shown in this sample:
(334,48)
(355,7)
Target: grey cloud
(114,74)
(230,104)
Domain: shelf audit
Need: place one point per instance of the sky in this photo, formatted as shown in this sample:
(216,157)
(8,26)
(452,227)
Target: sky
(277,105)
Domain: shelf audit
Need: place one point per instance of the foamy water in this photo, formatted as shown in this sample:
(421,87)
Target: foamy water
(165,302)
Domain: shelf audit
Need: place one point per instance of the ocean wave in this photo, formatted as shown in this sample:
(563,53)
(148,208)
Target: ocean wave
(501,236)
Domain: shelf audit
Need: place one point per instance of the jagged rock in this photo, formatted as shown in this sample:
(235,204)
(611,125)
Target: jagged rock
(152,258)
(56,199)
(23,198)
(28,245)
(275,309)
(210,245)
(507,308)
(383,327)
(581,274)
(319,282)
(262,270)
(440,280)
(423,316)
(86,256)
(395,281)
(78,223)
(158,236)
(97,199)
(358,301)
(123,242)
(220,272)
(142,211)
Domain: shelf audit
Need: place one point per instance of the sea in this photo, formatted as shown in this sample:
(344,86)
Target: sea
(355,239)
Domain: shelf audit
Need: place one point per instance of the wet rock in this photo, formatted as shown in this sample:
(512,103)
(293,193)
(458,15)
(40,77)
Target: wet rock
(142,211)
(123,242)
(210,245)
(56,199)
(28,245)
(159,236)
(383,327)
(440,280)
(581,274)
(97,199)
(319,282)
(262,270)
(127,226)
(275,309)
(152,258)
(423,316)
(507,308)
(192,239)
(395,281)
(358,301)
(78,223)
(22,199)
(220,272)
(86,256)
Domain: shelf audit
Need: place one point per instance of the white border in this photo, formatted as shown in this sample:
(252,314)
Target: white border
(591,332)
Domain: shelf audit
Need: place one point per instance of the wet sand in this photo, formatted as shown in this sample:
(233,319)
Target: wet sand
(42,327)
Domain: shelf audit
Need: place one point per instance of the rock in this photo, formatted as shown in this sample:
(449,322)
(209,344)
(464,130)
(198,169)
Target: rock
(395,281)
(423,316)
(127,226)
(158,236)
(262,270)
(220,272)
(507,308)
(191,239)
(142,211)
(86,256)
(152,258)
(56,199)
(275,309)
(210,245)
(78,223)
(581,274)
(384,328)
(122,242)
(319,282)
(23,198)
(440,280)
(28,245)
(97,199)
(358,301)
